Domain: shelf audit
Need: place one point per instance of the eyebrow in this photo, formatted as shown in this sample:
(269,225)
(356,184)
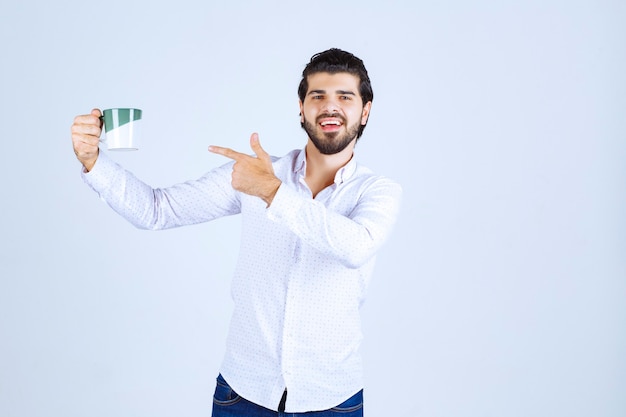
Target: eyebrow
(339,92)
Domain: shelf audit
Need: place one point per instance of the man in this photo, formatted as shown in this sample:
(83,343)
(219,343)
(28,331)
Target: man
(312,222)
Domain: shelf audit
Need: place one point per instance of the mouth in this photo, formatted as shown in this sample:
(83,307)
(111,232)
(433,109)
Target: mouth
(330,124)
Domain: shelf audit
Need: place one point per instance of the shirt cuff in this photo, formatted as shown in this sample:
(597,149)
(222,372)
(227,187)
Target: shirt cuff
(99,178)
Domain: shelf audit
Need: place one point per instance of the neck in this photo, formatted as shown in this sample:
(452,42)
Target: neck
(317,161)
(321,169)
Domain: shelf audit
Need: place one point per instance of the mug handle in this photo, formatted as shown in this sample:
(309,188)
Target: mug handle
(102,139)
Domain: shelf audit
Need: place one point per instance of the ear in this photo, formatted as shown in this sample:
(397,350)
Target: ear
(366,113)
(301,111)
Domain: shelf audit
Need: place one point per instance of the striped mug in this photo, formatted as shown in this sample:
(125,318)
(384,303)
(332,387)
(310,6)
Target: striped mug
(121,128)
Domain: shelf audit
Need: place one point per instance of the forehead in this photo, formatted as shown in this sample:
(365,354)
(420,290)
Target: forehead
(333,82)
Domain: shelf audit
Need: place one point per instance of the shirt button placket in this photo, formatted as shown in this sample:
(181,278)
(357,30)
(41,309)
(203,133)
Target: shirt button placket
(288,338)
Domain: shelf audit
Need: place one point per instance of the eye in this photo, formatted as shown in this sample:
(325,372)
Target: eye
(345,98)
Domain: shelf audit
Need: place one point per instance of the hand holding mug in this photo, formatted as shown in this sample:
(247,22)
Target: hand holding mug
(86,131)
(120,126)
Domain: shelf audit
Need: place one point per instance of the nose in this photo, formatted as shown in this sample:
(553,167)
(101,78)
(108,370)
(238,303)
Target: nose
(330,106)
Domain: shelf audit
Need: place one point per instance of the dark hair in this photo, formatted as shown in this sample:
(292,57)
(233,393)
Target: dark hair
(334,61)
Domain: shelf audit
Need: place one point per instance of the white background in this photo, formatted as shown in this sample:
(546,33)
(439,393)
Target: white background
(502,289)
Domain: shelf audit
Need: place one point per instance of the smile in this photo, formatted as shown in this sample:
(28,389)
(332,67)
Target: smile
(330,122)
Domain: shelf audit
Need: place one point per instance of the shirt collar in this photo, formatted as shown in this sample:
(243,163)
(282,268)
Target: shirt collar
(343,174)
(300,163)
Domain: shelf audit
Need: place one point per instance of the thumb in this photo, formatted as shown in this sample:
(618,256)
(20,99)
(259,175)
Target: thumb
(255,144)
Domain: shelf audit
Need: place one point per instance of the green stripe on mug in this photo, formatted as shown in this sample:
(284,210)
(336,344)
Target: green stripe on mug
(114,118)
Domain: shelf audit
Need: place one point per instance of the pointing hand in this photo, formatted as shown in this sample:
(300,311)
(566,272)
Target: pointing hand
(252,175)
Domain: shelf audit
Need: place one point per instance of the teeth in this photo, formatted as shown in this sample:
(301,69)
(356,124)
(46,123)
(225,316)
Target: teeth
(332,122)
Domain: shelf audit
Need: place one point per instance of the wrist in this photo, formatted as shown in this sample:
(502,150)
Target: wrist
(271,191)
(88,164)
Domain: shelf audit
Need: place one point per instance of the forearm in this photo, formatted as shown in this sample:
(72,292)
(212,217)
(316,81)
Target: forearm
(154,208)
(352,238)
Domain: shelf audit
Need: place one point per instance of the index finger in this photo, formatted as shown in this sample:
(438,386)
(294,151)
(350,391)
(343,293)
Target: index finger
(227,152)
(87,119)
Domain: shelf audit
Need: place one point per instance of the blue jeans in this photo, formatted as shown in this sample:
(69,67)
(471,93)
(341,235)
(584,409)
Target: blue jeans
(227,403)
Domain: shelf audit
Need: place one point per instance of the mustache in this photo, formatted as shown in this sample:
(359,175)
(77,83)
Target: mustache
(330,115)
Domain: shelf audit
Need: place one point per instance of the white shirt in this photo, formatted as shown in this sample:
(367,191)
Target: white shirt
(303,270)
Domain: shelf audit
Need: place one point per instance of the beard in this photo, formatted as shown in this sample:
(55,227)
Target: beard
(330,143)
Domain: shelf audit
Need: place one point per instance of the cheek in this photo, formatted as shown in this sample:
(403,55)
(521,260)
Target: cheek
(308,114)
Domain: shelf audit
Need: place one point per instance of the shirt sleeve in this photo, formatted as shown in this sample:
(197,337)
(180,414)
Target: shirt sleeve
(352,239)
(207,198)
